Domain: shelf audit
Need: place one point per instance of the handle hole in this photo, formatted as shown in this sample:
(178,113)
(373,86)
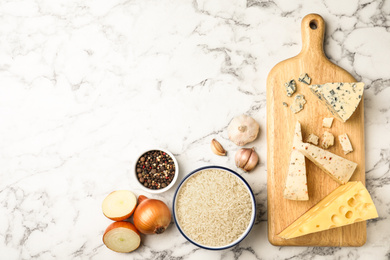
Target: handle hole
(313,24)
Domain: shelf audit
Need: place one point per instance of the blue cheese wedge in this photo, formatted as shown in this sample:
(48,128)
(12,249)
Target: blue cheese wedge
(291,87)
(327,140)
(298,104)
(338,168)
(304,78)
(341,99)
(296,183)
(345,143)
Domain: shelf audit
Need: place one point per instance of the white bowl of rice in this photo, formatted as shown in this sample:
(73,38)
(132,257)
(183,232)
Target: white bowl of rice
(214,208)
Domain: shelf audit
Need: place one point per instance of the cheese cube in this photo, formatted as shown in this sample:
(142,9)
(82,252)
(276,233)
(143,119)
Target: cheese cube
(327,122)
(345,143)
(327,140)
(337,167)
(312,138)
(348,204)
(296,183)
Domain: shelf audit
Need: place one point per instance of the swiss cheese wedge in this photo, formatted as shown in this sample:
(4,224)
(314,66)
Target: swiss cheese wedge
(296,183)
(347,204)
(337,167)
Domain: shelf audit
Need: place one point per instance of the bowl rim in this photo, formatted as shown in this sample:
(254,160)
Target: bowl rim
(253,217)
(174,177)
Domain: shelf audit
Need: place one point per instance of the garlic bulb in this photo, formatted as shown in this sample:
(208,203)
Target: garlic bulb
(243,129)
(246,159)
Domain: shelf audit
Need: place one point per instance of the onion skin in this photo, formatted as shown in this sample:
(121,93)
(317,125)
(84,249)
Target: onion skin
(151,216)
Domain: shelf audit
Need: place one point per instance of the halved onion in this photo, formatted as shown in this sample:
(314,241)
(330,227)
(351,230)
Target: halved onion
(122,237)
(119,205)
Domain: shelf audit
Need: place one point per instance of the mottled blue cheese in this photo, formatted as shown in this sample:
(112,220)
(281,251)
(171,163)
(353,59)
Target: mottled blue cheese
(341,99)
(296,183)
(291,87)
(345,143)
(338,168)
(312,138)
(304,78)
(298,104)
(327,140)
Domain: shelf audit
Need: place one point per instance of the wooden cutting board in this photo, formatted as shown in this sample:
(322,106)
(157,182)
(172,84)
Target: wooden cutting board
(280,128)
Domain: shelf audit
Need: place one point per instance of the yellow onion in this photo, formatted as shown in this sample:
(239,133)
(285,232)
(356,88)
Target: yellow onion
(151,216)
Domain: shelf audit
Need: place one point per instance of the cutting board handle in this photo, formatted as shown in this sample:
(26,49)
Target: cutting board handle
(313,29)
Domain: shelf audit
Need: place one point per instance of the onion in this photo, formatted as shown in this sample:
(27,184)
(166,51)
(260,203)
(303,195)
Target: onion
(122,237)
(151,216)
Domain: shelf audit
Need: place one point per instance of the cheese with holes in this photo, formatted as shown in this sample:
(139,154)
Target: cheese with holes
(327,140)
(341,99)
(296,183)
(345,143)
(348,204)
(338,168)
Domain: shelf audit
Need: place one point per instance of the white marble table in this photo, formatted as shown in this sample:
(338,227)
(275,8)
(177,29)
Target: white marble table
(86,85)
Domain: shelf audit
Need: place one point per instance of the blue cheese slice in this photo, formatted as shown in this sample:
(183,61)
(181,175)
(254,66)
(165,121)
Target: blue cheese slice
(338,168)
(341,99)
(296,183)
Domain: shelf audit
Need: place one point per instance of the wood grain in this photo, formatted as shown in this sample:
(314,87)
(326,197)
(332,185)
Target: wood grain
(280,128)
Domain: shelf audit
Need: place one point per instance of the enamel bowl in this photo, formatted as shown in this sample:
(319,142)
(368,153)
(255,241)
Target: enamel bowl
(253,214)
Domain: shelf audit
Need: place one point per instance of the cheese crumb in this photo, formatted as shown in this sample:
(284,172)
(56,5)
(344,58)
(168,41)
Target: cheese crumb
(291,87)
(327,122)
(345,143)
(327,140)
(305,78)
(312,138)
(298,104)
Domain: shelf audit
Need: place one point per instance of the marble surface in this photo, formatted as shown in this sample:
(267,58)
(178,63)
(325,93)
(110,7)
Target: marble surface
(86,85)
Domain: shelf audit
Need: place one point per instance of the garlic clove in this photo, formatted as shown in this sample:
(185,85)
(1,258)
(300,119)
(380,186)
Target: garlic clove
(217,148)
(246,159)
(252,162)
(242,157)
